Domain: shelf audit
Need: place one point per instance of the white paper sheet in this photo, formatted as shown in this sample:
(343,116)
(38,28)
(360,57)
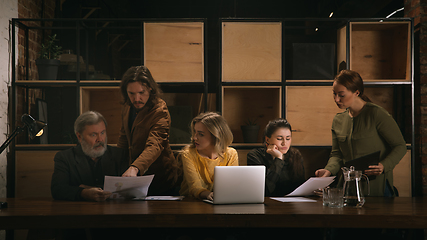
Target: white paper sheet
(310,185)
(293,199)
(160,198)
(128,187)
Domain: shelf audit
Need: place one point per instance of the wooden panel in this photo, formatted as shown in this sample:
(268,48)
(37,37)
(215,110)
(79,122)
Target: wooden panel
(242,103)
(251,51)
(105,100)
(314,158)
(402,176)
(310,111)
(243,156)
(34,171)
(341,46)
(174,51)
(382,96)
(380,51)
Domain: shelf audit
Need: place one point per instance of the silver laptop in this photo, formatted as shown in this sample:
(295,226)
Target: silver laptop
(238,184)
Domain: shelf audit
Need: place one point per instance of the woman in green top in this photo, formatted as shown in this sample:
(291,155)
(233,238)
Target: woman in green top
(363,128)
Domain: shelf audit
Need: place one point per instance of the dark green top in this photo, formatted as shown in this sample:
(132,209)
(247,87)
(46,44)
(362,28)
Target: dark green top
(370,131)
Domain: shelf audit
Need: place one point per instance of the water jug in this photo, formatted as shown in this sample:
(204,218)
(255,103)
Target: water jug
(353,194)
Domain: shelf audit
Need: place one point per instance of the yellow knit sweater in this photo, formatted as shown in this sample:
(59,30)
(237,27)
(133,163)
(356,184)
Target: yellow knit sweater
(199,171)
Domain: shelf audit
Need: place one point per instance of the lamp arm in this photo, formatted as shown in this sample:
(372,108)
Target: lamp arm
(6,143)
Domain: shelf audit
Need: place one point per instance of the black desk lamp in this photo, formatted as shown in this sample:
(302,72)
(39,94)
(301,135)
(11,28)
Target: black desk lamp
(35,129)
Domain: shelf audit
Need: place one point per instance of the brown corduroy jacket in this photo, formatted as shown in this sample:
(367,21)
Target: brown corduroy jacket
(148,144)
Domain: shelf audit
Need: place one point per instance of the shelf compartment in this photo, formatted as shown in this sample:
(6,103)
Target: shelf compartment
(381,51)
(174,52)
(105,100)
(402,176)
(320,108)
(34,171)
(239,104)
(310,111)
(183,107)
(382,96)
(251,52)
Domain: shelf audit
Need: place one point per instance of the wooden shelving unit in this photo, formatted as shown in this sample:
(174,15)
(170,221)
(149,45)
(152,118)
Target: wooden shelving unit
(267,68)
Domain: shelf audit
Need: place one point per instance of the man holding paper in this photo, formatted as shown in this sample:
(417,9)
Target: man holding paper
(145,132)
(79,171)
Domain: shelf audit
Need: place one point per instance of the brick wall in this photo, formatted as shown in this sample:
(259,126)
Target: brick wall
(417,9)
(30,9)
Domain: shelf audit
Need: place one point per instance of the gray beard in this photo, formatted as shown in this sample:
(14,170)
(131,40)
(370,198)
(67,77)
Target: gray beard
(90,151)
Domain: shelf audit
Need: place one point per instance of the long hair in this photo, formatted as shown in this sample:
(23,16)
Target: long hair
(218,127)
(293,155)
(353,82)
(142,75)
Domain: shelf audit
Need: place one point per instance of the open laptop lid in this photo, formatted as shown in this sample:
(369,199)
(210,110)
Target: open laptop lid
(239,184)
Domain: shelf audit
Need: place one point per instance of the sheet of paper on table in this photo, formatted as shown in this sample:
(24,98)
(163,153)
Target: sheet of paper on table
(313,183)
(293,199)
(160,198)
(128,187)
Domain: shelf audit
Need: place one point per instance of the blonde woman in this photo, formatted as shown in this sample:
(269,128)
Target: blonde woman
(211,138)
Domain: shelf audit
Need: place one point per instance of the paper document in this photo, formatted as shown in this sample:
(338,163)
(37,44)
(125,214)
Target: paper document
(128,187)
(160,198)
(310,185)
(293,199)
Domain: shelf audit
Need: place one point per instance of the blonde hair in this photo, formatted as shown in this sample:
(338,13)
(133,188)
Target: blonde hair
(218,127)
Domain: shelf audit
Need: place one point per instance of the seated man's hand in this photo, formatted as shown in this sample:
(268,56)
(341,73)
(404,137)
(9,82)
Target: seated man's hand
(95,194)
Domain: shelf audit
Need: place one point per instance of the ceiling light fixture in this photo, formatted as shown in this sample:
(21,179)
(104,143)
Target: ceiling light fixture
(398,10)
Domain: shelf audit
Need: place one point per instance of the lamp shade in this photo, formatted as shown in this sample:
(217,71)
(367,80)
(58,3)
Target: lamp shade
(35,128)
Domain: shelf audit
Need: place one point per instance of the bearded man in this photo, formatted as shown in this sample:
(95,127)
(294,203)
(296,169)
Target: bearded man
(145,132)
(79,171)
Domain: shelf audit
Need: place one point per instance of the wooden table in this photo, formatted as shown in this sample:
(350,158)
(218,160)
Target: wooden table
(47,213)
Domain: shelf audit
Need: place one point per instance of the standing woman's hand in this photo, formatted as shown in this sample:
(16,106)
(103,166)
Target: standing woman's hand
(375,170)
(273,150)
(322,173)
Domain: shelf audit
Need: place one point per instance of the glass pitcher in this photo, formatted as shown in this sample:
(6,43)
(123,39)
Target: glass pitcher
(353,194)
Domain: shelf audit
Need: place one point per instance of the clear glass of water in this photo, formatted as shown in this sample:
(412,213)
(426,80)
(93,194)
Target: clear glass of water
(336,198)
